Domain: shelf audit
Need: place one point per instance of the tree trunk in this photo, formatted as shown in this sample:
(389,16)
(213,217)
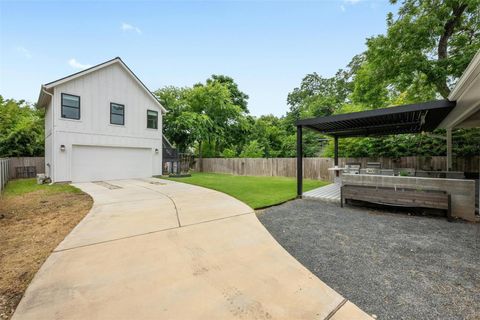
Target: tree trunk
(200,157)
(448,30)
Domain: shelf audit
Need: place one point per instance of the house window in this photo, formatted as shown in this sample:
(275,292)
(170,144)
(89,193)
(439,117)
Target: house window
(117,113)
(152,119)
(70,106)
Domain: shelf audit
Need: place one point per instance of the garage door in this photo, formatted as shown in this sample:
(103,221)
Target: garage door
(97,163)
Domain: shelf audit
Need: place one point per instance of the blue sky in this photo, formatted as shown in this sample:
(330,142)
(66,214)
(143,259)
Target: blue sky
(266,46)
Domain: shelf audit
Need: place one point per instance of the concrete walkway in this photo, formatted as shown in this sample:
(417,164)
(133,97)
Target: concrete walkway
(155,249)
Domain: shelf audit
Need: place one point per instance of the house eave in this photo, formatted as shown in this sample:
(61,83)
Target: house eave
(466,94)
(44,97)
(49,86)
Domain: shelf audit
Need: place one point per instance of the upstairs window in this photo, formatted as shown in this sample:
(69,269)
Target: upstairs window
(117,114)
(70,106)
(152,119)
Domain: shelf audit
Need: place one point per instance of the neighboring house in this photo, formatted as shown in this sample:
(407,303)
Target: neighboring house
(101,124)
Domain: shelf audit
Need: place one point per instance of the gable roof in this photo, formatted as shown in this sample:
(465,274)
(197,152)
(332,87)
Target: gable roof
(45,94)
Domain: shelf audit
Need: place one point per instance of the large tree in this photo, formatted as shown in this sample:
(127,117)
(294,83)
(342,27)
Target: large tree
(428,43)
(177,121)
(238,97)
(202,117)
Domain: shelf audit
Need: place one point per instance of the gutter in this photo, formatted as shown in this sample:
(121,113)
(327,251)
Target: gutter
(52,134)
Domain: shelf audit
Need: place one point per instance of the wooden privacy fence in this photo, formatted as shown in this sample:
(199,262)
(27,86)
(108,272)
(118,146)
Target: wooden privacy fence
(4,172)
(16,165)
(19,167)
(317,168)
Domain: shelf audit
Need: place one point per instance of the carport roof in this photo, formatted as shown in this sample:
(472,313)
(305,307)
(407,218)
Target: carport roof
(412,118)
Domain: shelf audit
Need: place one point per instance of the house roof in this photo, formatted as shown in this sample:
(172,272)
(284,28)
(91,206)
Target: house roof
(411,118)
(467,95)
(45,89)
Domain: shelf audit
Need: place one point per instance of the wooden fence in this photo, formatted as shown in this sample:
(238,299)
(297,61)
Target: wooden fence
(317,168)
(4,172)
(22,162)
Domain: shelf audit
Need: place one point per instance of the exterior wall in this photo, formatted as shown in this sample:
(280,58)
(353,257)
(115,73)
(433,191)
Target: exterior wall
(97,90)
(462,191)
(49,140)
(48,157)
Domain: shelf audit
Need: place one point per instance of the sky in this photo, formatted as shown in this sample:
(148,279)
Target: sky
(267,47)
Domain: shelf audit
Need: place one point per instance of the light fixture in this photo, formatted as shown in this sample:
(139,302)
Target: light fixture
(62,147)
(156,150)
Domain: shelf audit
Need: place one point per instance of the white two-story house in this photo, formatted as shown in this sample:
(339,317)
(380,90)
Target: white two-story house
(101,124)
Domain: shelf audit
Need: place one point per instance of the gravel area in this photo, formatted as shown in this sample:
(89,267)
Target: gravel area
(392,265)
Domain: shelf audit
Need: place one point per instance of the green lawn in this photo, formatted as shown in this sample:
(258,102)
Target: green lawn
(257,192)
(22,186)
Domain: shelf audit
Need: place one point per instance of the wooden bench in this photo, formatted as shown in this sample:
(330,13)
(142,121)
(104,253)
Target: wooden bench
(402,197)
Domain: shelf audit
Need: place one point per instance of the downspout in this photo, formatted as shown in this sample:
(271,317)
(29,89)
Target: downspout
(52,133)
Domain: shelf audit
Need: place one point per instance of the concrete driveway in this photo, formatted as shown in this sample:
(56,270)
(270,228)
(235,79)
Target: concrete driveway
(155,249)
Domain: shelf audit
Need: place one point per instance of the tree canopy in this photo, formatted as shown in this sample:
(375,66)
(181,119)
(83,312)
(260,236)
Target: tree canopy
(21,129)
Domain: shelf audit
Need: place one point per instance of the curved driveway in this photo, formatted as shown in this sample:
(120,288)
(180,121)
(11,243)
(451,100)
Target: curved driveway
(156,249)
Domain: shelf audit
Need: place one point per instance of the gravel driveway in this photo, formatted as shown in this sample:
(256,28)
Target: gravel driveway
(392,265)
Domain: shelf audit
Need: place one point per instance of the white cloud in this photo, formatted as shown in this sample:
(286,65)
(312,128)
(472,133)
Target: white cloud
(77,65)
(342,7)
(352,1)
(24,52)
(128,27)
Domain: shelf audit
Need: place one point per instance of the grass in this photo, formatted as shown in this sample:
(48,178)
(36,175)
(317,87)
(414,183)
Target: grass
(33,220)
(23,186)
(257,192)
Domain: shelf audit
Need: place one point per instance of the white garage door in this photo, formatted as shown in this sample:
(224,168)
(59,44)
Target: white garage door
(97,163)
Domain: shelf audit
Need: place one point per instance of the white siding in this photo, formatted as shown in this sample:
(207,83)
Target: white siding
(48,156)
(96,91)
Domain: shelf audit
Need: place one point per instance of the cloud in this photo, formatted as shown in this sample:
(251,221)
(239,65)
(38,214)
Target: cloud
(342,7)
(128,27)
(352,1)
(24,52)
(77,65)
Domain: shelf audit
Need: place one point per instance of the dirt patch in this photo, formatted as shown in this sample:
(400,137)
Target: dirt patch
(32,225)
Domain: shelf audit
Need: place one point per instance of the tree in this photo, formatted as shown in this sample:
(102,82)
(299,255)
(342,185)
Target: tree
(178,121)
(228,153)
(433,40)
(252,150)
(267,131)
(238,97)
(21,129)
(213,100)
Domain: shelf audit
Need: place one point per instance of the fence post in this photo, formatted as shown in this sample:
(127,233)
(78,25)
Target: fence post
(1,175)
